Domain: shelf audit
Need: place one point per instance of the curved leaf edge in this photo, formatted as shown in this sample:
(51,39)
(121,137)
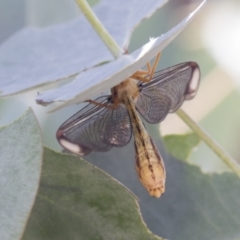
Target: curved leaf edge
(131,194)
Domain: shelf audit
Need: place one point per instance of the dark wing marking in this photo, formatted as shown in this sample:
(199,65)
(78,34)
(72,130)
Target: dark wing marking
(96,128)
(167,90)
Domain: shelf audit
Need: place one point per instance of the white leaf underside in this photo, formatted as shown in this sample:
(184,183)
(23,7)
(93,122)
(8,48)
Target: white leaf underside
(98,80)
(38,56)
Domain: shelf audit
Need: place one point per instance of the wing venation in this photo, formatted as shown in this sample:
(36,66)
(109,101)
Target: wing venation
(96,128)
(167,90)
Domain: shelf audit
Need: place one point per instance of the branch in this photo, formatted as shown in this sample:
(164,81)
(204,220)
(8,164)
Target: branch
(99,28)
(210,142)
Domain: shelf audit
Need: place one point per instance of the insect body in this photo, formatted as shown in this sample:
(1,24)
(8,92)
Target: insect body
(110,120)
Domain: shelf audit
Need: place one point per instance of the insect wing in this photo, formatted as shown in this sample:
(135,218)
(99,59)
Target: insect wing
(167,90)
(96,128)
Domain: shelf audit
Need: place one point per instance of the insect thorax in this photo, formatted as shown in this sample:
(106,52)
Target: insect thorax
(127,87)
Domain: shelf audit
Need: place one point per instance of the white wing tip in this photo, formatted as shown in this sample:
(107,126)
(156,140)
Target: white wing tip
(194,82)
(70,146)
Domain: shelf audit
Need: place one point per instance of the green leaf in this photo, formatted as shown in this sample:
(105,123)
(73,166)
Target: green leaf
(20,170)
(194,206)
(180,146)
(78,201)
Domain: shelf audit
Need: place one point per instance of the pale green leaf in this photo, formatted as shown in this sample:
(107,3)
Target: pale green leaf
(98,80)
(20,170)
(38,56)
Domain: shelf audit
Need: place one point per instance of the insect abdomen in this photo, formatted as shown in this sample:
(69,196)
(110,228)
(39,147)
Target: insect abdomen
(151,171)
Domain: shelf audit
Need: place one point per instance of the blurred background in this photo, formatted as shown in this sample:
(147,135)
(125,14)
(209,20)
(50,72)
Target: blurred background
(212,40)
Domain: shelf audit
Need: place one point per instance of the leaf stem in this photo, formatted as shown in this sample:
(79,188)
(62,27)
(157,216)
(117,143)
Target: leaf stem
(99,28)
(210,142)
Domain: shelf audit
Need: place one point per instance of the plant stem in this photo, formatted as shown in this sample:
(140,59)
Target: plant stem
(99,28)
(210,142)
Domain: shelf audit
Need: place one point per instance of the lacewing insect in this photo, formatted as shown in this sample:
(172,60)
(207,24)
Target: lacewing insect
(110,120)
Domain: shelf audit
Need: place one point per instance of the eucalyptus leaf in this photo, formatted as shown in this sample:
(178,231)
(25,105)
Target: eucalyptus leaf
(20,169)
(98,80)
(180,146)
(195,205)
(38,56)
(78,201)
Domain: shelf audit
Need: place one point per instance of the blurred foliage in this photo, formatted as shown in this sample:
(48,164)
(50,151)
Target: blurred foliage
(180,146)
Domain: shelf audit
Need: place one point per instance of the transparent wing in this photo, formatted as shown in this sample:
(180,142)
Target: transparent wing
(167,90)
(96,128)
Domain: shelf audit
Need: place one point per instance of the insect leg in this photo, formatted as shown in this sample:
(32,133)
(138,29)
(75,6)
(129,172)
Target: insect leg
(140,78)
(146,76)
(154,66)
(112,107)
